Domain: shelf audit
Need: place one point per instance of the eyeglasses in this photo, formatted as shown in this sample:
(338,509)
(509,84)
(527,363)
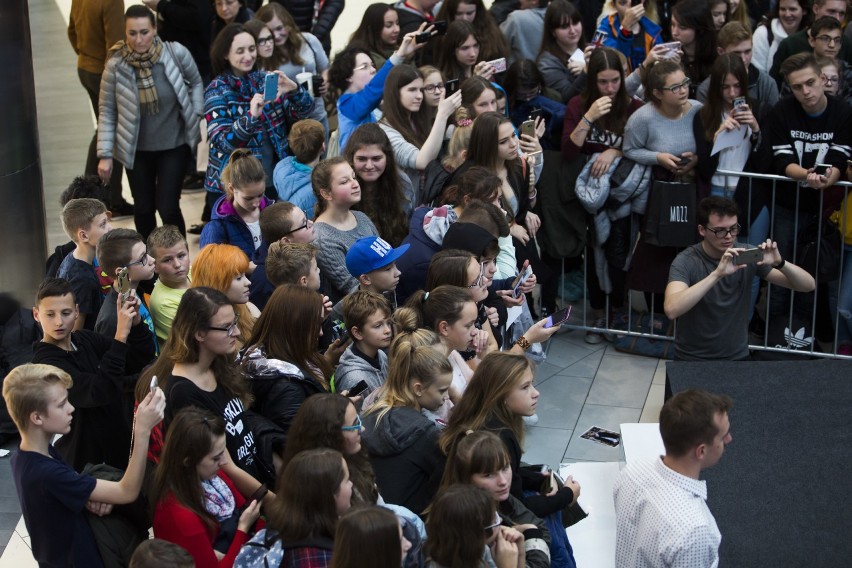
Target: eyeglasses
(831,79)
(231,330)
(679,87)
(432,88)
(306,224)
(355,427)
(265,40)
(497,522)
(722,232)
(479,279)
(143,260)
(828,40)
(368,65)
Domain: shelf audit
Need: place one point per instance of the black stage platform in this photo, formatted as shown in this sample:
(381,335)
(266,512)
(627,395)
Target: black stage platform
(781,493)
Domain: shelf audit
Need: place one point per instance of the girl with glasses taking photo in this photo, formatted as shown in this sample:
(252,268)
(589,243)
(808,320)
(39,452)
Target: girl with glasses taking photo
(196,368)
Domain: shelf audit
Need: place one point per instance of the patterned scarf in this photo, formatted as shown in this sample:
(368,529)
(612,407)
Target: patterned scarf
(143,63)
(218,499)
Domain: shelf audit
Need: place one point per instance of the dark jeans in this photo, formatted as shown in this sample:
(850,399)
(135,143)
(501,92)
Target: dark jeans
(155,182)
(92,83)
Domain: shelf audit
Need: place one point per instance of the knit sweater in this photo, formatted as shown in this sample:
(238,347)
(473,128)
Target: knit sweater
(333,244)
(648,133)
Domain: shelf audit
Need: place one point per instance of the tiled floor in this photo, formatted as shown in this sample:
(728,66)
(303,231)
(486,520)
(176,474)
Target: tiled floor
(581,385)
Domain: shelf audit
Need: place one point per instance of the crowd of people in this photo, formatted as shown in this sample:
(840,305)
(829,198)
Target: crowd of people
(352,352)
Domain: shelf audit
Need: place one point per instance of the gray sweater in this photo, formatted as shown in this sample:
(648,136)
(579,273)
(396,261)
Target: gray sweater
(333,244)
(648,132)
(405,154)
(559,78)
(523,29)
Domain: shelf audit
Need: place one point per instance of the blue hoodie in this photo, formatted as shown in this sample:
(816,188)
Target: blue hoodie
(292,181)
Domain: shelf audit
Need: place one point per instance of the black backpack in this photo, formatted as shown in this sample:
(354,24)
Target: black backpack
(18,332)
(51,267)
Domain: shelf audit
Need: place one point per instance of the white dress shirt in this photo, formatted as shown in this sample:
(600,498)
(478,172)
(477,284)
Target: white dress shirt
(663,519)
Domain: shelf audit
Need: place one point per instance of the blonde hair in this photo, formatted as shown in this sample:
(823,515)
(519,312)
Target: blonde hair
(25,390)
(609,8)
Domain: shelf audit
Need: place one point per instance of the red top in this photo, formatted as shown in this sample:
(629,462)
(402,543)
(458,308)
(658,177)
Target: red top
(175,523)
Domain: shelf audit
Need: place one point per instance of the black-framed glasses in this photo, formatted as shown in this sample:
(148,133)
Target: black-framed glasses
(355,427)
(143,260)
(497,522)
(831,79)
(679,87)
(265,40)
(828,40)
(722,232)
(304,225)
(434,87)
(231,330)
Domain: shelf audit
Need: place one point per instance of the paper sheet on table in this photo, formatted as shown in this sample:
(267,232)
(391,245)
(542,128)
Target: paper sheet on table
(642,442)
(729,139)
(512,314)
(593,538)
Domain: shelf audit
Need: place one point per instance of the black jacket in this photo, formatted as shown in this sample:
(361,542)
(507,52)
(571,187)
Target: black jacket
(189,23)
(404,453)
(104,372)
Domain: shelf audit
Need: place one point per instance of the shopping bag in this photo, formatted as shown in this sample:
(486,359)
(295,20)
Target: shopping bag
(670,218)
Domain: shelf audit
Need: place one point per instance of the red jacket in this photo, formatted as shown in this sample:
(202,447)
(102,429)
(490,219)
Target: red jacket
(175,523)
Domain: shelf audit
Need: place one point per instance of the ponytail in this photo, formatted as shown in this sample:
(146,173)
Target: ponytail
(242,169)
(444,303)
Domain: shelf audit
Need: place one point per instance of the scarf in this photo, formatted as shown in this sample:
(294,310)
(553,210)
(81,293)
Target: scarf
(143,63)
(218,499)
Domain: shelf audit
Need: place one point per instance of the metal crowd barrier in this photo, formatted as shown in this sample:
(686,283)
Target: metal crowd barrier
(797,344)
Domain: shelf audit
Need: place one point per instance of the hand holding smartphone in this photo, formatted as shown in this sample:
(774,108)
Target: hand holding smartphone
(558,318)
(270,87)
(749,256)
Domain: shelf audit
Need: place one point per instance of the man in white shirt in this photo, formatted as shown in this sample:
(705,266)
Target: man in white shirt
(662,516)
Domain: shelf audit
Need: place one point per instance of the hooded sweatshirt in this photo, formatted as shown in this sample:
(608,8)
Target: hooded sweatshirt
(404,453)
(354,368)
(426,233)
(227,227)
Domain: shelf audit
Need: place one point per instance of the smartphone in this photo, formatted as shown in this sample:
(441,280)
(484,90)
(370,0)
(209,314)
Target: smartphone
(535,114)
(749,256)
(499,65)
(528,128)
(440,27)
(519,280)
(683,161)
(602,436)
(671,49)
(153,383)
(270,87)
(451,86)
(545,483)
(123,284)
(599,37)
(359,388)
(339,331)
(635,3)
(558,318)
(821,169)
(740,102)
(422,37)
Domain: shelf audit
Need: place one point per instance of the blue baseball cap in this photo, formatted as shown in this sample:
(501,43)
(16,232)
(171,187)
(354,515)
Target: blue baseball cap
(371,253)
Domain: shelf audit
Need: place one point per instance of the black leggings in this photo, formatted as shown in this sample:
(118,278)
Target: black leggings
(155,182)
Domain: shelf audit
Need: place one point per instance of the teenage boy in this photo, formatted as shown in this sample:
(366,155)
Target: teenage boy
(735,38)
(293,263)
(53,496)
(118,249)
(85,221)
(283,222)
(372,261)
(798,42)
(168,247)
(292,175)
(103,369)
(367,316)
(804,130)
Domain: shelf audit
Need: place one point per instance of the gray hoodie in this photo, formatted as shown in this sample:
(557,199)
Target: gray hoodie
(353,368)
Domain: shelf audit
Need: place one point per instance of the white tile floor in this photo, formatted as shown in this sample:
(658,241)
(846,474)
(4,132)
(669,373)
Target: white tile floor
(582,385)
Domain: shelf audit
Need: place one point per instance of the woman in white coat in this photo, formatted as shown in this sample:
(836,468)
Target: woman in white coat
(151,103)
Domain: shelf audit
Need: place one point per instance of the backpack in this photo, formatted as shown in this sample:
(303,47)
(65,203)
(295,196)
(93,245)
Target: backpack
(18,332)
(54,261)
